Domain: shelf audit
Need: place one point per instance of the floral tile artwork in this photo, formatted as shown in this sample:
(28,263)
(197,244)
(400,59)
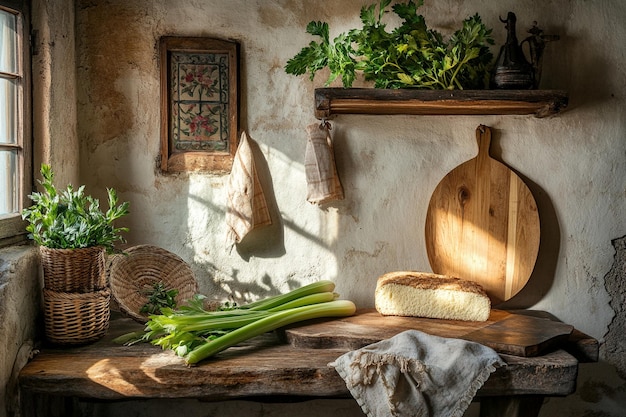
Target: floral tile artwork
(200,94)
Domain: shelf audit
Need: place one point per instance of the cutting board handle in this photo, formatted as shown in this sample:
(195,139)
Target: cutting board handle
(483,137)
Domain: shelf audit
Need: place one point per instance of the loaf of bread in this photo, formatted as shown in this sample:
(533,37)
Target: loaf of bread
(417,294)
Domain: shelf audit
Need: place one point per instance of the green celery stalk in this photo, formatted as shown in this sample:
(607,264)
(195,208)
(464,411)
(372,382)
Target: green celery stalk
(175,323)
(321,297)
(191,318)
(337,308)
(276,300)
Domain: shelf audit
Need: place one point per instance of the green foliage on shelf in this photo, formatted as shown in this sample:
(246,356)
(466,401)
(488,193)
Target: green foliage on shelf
(412,55)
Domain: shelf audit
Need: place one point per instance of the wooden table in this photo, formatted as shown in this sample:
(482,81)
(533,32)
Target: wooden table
(263,368)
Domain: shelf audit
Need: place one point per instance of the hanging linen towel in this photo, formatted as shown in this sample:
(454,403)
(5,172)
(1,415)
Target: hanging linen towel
(418,375)
(246,207)
(323,184)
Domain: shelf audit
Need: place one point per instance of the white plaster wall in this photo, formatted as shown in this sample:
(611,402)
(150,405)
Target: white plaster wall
(574,163)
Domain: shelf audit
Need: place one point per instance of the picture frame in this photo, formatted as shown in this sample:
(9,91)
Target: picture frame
(199,104)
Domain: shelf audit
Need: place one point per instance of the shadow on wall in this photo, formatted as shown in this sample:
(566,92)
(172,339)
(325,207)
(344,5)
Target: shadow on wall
(266,241)
(588,84)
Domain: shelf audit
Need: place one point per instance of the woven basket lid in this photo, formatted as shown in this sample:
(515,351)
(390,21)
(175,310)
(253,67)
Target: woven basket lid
(134,273)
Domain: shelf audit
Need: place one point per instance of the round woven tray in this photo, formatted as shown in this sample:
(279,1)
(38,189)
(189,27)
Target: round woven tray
(74,270)
(134,273)
(76,318)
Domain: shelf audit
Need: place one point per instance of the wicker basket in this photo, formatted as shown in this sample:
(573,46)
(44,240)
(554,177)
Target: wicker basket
(134,273)
(76,318)
(74,270)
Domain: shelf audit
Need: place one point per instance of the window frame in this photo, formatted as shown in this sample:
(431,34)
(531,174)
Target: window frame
(12,227)
(172,161)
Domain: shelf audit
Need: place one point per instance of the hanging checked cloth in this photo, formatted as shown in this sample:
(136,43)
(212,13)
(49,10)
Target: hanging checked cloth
(323,184)
(246,206)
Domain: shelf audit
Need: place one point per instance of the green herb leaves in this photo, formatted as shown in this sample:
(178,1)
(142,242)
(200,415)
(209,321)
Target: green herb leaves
(409,56)
(70,219)
(159,297)
(336,55)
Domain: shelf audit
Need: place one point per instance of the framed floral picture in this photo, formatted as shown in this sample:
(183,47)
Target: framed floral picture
(199,104)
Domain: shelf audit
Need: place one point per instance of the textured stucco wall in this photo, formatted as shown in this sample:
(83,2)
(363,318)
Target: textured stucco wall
(54,90)
(573,163)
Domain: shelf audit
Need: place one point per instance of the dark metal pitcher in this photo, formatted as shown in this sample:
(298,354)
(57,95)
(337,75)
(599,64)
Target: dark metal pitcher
(512,69)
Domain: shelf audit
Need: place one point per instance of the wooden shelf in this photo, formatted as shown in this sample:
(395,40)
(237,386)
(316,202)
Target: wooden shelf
(540,103)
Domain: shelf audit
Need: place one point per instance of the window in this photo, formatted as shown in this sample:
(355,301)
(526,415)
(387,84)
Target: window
(15,154)
(199,119)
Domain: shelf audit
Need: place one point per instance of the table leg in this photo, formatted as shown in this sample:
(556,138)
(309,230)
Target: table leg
(515,406)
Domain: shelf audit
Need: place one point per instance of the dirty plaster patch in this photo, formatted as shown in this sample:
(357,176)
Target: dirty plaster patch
(613,350)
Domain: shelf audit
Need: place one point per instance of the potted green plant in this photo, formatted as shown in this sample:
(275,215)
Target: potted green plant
(73,235)
(70,219)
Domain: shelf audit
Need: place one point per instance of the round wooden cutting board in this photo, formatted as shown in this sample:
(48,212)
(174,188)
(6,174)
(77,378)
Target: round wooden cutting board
(482,225)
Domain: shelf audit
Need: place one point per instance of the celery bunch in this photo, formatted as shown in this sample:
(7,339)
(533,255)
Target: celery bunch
(196,334)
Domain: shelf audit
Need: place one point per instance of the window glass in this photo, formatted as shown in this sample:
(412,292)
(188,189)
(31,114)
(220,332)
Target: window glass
(8,42)
(8,111)
(9,196)
(15,122)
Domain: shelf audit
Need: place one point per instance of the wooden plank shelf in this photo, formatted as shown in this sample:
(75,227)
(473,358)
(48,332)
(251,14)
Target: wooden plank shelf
(375,101)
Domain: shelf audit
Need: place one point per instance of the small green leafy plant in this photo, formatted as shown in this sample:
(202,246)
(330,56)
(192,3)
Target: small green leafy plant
(159,297)
(412,55)
(69,219)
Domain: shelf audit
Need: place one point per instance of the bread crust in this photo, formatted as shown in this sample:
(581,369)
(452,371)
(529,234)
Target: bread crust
(428,281)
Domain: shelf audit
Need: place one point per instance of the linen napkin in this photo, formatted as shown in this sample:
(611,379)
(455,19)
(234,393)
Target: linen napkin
(418,375)
(247,207)
(323,184)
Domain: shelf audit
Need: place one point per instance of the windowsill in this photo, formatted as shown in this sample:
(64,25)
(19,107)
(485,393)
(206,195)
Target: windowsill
(12,230)
(13,256)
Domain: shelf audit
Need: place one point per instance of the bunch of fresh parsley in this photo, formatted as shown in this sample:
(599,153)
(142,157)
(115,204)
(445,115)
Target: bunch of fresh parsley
(412,55)
(70,219)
